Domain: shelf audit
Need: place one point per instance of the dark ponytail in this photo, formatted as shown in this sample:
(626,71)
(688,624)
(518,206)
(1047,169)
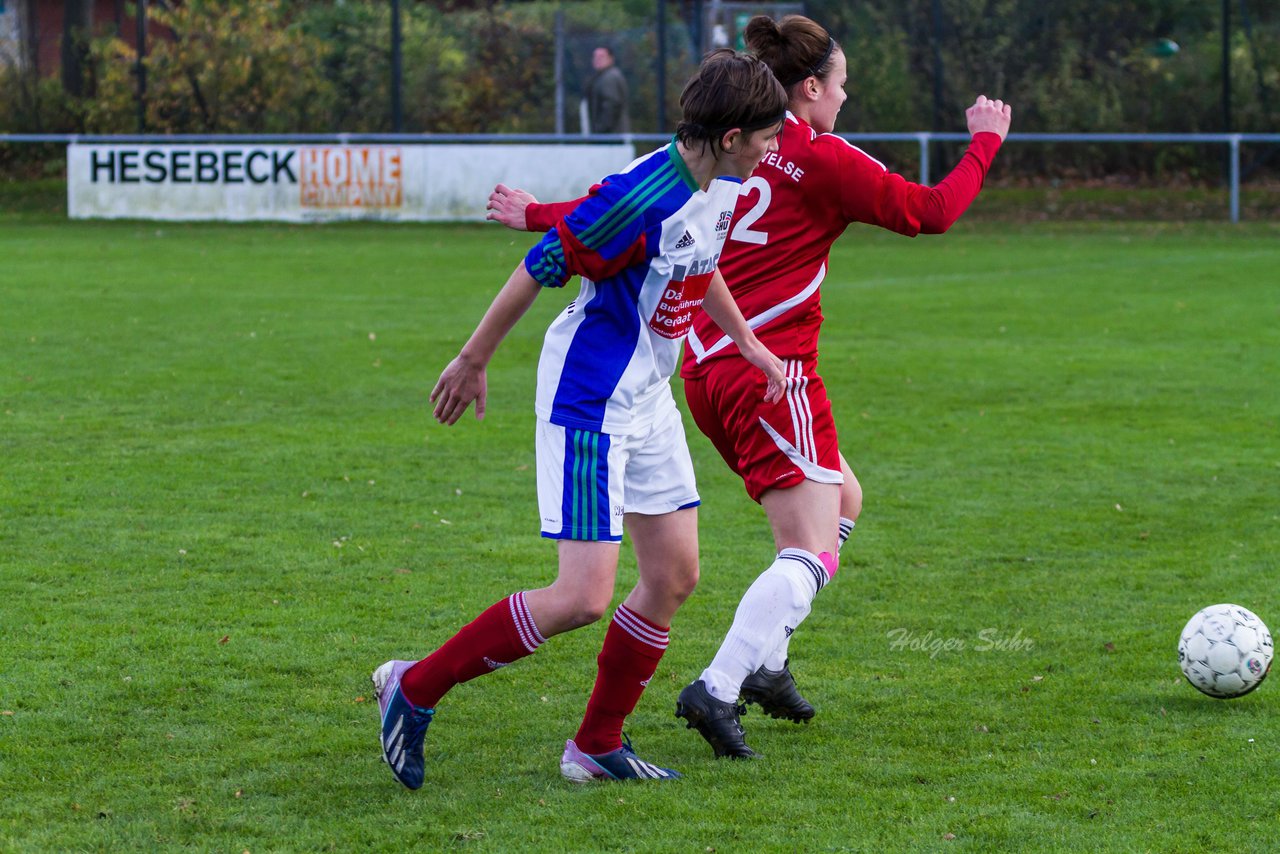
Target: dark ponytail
(796,48)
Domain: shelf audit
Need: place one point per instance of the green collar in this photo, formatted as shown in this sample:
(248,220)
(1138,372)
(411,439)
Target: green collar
(673,151)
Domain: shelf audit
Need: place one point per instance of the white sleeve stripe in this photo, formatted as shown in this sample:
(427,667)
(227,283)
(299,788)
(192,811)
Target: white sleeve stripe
(859,150)
(700,352)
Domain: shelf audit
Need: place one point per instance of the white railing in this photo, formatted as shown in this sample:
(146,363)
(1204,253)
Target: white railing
(1233,141)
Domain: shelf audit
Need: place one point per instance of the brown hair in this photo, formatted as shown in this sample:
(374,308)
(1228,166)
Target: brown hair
(729,90)
(796,48)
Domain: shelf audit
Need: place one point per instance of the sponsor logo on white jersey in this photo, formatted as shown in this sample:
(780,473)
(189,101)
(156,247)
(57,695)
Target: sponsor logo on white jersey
(722,225)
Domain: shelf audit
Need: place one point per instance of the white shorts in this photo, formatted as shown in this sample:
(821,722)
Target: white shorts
(588,480)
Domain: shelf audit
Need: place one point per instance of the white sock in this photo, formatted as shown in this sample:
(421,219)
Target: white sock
(777,601)
(846,528)
(777,659)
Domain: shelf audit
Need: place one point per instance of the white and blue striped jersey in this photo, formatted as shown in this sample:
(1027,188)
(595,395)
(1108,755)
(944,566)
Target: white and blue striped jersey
(646,243)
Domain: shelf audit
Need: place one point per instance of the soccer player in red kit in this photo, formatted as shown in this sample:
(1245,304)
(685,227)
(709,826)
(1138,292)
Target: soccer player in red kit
(794,206)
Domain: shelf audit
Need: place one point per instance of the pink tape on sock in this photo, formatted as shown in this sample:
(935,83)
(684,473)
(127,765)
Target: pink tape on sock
(831,563)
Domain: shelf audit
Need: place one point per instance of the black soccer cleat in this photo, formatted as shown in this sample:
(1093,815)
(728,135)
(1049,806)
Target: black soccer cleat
(715,720)
(774,691)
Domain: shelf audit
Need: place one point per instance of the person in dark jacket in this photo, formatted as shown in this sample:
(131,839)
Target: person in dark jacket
(606,95)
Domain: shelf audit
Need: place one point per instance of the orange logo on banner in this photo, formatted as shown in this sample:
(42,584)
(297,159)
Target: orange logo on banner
(351,177)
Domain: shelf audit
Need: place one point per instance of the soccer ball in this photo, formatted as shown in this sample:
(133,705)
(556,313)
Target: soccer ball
(1225,651)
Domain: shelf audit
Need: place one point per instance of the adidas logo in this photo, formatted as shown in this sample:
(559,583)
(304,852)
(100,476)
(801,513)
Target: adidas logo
(685,241)
(494,665)
(788,630)
(393,751)
(647,770)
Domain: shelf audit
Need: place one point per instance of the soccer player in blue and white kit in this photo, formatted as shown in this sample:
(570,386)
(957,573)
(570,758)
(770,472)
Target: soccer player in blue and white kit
(611,449)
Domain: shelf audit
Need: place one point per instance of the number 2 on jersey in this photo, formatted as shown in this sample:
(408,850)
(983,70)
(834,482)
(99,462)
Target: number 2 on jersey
(742,230)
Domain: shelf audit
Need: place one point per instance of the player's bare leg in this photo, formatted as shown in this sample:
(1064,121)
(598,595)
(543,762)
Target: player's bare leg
(582,591)
(805,516)
(666,548)
(667,561)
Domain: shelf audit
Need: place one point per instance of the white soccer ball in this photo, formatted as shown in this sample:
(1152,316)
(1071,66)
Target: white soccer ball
(1225,651)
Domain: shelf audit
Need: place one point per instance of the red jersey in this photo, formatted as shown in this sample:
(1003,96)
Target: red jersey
(793,207)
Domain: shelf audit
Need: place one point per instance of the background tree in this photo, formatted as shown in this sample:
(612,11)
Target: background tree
(227,66)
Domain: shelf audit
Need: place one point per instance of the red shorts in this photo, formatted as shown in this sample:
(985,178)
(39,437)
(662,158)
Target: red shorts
(769,445)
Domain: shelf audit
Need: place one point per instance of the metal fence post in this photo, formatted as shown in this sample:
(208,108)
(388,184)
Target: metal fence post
(923,139)
(1234,143)
(140,67)
(559,19)
(397,73)
(660,63)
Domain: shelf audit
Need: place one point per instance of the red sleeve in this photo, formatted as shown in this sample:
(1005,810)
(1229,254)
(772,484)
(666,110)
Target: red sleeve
(543,217)
(876,196)
(576,245)
(593,262)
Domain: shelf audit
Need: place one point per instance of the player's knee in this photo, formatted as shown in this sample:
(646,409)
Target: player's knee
(684,583)
(851,499)
(575,607)
(585,613)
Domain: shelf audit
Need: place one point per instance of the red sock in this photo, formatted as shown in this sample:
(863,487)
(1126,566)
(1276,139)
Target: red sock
(633,646)
(502,634)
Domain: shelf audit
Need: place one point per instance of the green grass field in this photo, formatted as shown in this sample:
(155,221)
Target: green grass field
(223,502)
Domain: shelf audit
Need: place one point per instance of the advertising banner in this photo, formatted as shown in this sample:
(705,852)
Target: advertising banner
(323,182)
